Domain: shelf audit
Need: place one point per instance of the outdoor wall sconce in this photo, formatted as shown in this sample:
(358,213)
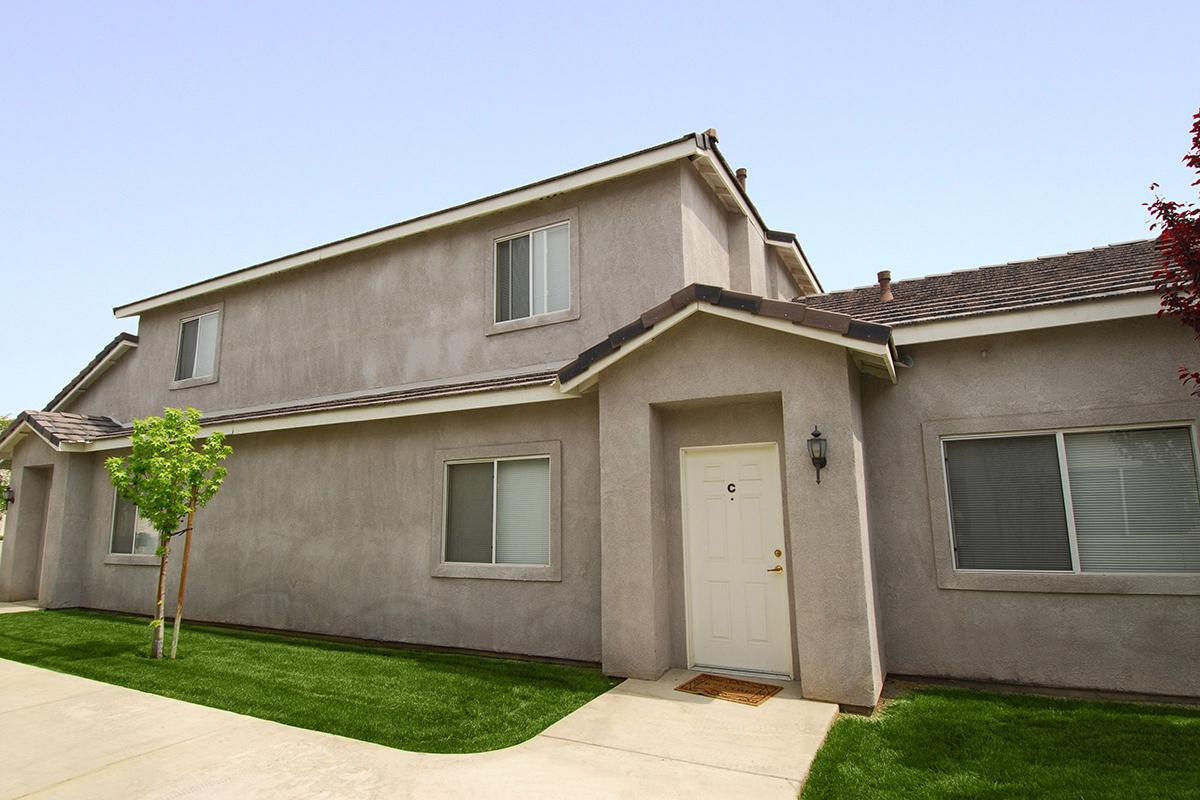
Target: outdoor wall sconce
(9,497)
(818,446)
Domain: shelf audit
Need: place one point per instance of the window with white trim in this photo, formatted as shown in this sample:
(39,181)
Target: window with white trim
(497,511)
(131,534)
(1117,500)
(533,273)
(197,353)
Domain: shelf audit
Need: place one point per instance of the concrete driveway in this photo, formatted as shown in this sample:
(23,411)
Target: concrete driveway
(68,737)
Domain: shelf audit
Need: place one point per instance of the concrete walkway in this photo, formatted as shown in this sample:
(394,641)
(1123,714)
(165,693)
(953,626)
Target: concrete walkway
(19,605)
(68,737)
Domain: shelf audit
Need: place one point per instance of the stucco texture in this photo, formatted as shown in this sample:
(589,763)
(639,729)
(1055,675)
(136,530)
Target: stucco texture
(1059,630)
(330,530)
(41,555)
(787,379)
(725,248)
(413,310)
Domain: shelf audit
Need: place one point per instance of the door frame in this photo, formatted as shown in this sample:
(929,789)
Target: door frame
(687,559)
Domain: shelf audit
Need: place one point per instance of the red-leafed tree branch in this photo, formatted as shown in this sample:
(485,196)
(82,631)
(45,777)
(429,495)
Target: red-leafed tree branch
(1177,279)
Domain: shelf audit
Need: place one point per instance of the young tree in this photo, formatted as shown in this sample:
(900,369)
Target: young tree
(168,474)
(1178,278)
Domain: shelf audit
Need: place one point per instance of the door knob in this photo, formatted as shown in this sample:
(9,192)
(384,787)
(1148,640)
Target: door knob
(776,568)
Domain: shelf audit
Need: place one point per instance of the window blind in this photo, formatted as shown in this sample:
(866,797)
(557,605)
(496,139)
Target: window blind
(186,364)
(512,279)
(523,511)
(122,532)
(1006,504)
(503,281)
(551,269)
(1136,503)
(469,512)
(519,307)
(206,346)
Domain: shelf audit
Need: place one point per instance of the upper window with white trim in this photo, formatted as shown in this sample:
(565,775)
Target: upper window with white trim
(497,511)
(533,273)
(1120,500)
(197,354)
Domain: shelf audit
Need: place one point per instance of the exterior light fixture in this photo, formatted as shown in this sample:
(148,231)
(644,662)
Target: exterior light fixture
(9,497)
(818,446)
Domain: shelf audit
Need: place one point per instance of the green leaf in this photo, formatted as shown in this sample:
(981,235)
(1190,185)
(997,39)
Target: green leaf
(169,468)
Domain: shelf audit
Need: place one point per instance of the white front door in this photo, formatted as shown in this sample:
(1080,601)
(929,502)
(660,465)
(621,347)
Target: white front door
(738,615)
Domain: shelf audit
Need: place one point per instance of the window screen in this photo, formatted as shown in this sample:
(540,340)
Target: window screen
(1006,504)
(469,512)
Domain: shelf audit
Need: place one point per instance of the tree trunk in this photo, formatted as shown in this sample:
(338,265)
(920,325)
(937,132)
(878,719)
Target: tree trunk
(187,551)
(156,639)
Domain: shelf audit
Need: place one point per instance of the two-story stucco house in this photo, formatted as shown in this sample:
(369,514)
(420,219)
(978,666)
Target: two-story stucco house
(576,420)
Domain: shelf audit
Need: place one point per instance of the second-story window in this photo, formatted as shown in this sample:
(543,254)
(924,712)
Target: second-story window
(197,347)
(533,273)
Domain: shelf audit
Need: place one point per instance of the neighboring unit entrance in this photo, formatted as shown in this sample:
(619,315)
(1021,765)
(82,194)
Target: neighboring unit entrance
(737,599)
(29,534)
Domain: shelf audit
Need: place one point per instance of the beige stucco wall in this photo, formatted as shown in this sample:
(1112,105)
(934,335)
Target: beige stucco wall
(705,231)
(413,310)
(713,359)
(727,249)
(330,530)
(418,309)
(1066,631)
(21,559)
(53,492)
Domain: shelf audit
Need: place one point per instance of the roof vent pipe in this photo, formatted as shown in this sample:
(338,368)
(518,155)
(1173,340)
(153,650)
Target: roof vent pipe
(885,286)
(741,177)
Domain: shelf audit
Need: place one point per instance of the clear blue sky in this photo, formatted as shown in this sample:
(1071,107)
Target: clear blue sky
(149,145)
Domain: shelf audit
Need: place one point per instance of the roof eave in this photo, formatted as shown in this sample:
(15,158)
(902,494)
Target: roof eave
(794,258)
(92,372)
(683,147)
(1142,303)
(18,429)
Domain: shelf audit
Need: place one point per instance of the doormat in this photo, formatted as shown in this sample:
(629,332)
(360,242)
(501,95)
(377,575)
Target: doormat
(737,691)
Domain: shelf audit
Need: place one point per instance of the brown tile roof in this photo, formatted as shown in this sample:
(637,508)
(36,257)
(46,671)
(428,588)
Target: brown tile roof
(59,427)
(539,378)
(796,313)
(108,351)
(1102,271)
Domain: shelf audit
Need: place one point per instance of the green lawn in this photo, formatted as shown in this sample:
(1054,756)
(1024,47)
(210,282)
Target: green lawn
(413,699)
(941,743)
